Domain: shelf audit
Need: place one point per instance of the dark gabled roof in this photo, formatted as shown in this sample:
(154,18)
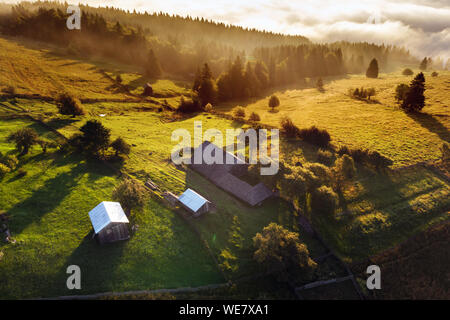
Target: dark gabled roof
(221,176)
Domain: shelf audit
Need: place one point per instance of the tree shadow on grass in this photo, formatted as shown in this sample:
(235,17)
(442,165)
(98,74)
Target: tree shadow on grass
(98,265)
(433,125)
(44,200)
(57,124)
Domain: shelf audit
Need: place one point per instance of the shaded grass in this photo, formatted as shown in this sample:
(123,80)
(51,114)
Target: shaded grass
(48,218)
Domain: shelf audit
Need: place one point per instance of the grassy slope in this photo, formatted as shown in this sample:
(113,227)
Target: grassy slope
(35,67)
(378,126)
(370,198)
(48,210)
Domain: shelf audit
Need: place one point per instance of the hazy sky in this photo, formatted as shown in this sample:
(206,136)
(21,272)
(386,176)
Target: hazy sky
(421,25)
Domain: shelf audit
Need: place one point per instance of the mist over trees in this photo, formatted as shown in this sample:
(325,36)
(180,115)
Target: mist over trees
(159,43)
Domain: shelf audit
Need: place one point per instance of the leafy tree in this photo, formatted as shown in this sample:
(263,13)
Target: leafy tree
(324,200)
(370,92)
(120,146)
(344,169)
(209,108)
(314,135)
(254,117)
(131,195)
(152,67)
(24,139)
(69,105)
(372,70)
(289,128)
(281,252)
(415,99)
(401,91)
(274,102)
(239,112)
(95,137)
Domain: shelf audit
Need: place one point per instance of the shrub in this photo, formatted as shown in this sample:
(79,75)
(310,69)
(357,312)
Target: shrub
(131,194)
(320,171)
(280,251)
(95,137)
(3,170)
(289,128)
(239,112)
(274,102)
(24,139)
(325,157)
(434,74)
(10,161)
(401,91)
(209,108)
(407,72)
(324,201)
(69,105)
(119,78)
(188,105)
(345,167)
(315,136)
(254,117)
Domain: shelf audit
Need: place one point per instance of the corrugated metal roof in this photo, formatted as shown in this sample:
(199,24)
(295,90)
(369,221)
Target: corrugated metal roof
(105,213)
(192,200)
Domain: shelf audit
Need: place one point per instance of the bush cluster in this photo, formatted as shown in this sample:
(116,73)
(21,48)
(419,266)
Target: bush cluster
(365,156)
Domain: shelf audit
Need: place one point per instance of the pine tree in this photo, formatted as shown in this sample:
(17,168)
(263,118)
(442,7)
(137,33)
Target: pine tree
(207,89)
(415,99)
(152,69)
(424,64)
(372,71)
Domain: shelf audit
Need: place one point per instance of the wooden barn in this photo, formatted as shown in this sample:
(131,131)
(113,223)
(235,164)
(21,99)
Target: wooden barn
(110,222)
(194,203)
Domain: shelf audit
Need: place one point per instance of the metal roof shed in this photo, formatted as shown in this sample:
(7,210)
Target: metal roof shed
(194,202)
(109,222)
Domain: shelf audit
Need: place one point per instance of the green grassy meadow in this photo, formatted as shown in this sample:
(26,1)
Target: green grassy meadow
(380,125)
(49,207)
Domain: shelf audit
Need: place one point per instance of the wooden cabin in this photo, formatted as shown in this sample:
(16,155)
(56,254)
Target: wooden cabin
(195,203)
(110,222)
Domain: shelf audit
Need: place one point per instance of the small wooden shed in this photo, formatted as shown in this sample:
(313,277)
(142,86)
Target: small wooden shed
(110,222)
(195,203)
(148,90)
